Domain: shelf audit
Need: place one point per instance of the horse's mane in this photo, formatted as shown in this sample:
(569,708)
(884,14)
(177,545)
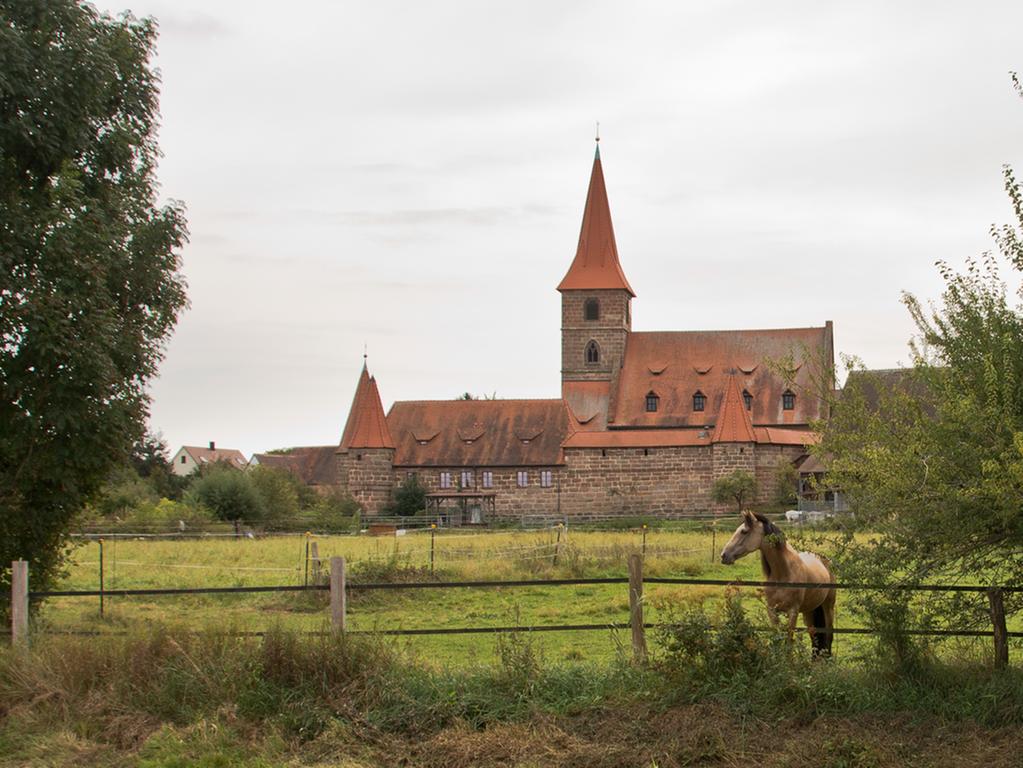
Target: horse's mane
(770,529)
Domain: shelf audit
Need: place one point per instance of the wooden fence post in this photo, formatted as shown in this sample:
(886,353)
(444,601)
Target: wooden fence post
(636,607)
(19,602)
(994,596)
(314,555)
(557,546)
(337,594)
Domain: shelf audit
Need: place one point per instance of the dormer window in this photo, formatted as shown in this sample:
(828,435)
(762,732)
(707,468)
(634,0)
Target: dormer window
(699,401)
(651,402)
(788,400)
(591,309)
(592,353)
(748,399)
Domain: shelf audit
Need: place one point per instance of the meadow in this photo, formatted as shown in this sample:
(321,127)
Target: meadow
(172,683)
(689,550)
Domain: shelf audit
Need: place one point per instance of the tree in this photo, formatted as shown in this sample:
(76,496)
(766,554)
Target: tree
(279,490)
(229,494)
(91,285)
(934,462)
(738,487)
(786,488)
(409,498)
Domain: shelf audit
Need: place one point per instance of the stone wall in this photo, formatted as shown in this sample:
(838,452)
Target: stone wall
(637,481)
(768,459)
(368,475)
(610,332)
(593,481)
(511,501)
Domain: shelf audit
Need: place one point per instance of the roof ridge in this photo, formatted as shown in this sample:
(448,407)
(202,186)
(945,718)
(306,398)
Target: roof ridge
(735,330)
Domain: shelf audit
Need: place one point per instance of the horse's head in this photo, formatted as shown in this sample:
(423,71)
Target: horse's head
(748,537)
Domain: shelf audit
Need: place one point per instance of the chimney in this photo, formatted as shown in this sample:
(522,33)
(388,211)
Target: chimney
(213,446)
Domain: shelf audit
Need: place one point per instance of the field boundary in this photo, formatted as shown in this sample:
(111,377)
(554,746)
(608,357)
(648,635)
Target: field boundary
(339,587)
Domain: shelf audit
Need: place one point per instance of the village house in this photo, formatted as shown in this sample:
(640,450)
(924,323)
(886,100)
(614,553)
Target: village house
(189,458)
(645,423)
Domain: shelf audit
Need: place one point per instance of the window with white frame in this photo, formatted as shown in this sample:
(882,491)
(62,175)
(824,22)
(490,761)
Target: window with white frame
(546,478)
(488,479)
(445,479)
(466,478)
(522,477)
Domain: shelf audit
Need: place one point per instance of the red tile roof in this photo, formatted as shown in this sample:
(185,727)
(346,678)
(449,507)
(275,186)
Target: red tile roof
(313,465)
(783,436)
(596,265)
(478,433)
(733,422)
(202,455)
(366,426)
(675,365)
(588,401)
(639,438)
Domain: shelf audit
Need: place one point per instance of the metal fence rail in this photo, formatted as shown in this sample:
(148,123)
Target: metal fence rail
(339,587)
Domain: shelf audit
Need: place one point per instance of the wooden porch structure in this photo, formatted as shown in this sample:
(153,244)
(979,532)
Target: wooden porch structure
(473,507)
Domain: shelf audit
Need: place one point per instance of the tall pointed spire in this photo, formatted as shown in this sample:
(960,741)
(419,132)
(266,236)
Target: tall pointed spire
(596,263)
(734,424)
(366,426)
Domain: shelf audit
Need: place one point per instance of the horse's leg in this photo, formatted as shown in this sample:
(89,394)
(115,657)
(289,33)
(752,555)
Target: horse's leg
(793,615)
(811,628)
(829,619)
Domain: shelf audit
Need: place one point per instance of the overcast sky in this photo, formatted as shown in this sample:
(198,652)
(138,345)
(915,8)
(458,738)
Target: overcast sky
(411,176)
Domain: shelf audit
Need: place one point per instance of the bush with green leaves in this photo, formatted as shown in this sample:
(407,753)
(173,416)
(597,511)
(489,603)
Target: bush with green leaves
(409,498)
(335,511)
(739,488)
(229,494)
(279,490)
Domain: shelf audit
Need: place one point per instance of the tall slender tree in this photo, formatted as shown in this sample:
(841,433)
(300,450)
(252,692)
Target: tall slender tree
(90,285)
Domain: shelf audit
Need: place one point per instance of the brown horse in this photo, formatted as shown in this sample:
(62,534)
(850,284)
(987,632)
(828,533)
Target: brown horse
(781,563)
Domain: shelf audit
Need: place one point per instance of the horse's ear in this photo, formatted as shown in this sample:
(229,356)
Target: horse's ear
(747,516)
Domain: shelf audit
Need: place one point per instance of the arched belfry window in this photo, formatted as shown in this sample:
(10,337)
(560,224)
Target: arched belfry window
(591,309)
(592,352)
(651,402)
(788,400)
(699,401)
(748,399)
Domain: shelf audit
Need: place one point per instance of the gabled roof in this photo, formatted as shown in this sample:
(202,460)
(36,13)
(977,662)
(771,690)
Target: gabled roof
(675,365)
(733,424)
(366,426)
(313,465)
(596,265)
(478,433)
(230,456)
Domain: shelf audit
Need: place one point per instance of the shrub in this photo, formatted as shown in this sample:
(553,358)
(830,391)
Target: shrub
(229,494)
(279,490)
(124,493)
(694,647)
(786,479)
(409,498)
(739,488)
(336,511)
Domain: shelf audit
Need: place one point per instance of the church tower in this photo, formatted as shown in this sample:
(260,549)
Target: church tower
(596,316)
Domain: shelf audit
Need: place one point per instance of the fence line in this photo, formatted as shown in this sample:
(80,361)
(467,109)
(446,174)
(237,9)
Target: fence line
(338,588)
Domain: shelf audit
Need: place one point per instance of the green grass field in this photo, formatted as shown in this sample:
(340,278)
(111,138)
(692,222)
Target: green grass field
(173,686)
(500,555)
